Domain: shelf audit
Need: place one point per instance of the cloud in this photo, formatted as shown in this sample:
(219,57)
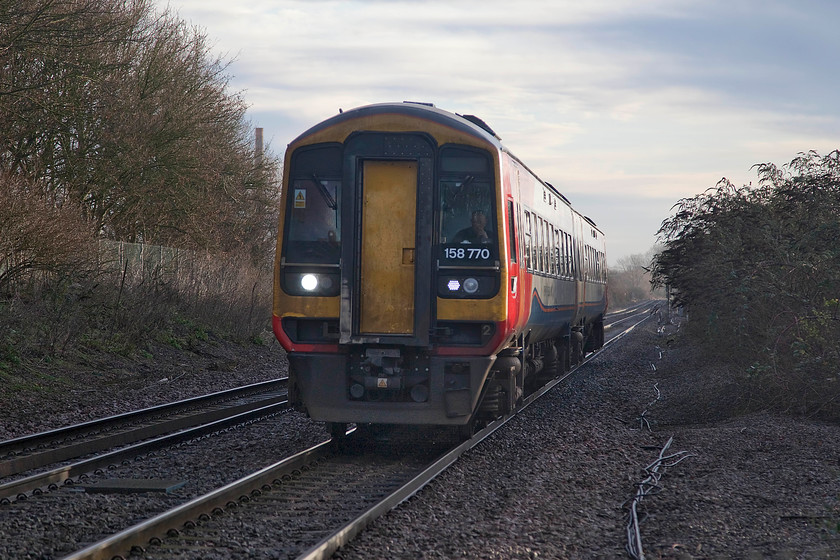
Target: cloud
(654,100)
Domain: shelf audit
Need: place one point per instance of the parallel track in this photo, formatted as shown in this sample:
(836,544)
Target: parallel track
(129,435)
(37,450)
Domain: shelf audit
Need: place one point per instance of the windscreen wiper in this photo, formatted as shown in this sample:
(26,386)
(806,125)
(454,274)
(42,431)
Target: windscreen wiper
(325,193)
(464,184)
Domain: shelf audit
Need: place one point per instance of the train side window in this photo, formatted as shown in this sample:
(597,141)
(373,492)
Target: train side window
(552,264)
(511,231)
(546,243)
(597,259)
(552,238)
(540,232)
(586,262)
(566,255)
(569,256)
(528,241)
(603,267)
(313,211)
(562,253)
(557,252)
(547,248)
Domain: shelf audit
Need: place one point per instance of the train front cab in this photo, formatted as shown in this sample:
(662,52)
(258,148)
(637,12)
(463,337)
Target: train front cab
(388,316)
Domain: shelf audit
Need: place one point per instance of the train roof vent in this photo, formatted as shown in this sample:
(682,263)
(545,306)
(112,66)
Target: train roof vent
(480,124)
(588,219)
(420,103)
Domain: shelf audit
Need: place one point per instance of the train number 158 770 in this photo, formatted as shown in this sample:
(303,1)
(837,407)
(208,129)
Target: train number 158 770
(471,253)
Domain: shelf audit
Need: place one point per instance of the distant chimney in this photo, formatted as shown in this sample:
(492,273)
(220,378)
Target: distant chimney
(258,146)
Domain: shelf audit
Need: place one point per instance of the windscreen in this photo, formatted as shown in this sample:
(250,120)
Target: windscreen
(467,206)
(313,225)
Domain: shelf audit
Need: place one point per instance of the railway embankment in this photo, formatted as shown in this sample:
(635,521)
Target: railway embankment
(44,396)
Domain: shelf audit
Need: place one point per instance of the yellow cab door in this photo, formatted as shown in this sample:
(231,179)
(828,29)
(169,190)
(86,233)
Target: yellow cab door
(388,213)
(387,259)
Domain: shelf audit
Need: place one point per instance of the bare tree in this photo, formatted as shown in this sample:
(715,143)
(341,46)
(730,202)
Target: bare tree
(123,112)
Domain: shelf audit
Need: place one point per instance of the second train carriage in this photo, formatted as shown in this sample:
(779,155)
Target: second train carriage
(424,275)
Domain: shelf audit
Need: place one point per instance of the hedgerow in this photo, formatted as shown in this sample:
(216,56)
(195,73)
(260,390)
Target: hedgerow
(758,269)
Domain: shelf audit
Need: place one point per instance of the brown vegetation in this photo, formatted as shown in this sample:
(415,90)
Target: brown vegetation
(116,126)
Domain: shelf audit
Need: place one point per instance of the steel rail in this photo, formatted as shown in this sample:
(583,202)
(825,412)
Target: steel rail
(41,438)
(110,441)
(17,488)
(139,535)
(623,315)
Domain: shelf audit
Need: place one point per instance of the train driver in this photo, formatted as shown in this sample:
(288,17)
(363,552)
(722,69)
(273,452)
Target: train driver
(477,232)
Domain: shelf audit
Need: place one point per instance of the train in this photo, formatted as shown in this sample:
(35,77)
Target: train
(424,274)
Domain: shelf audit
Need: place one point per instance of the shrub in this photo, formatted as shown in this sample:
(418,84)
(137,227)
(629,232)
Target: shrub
(759,271)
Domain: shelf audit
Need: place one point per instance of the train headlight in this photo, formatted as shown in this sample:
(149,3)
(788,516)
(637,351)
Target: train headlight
(309,282)
(467,284)
(471,285)
(312,283)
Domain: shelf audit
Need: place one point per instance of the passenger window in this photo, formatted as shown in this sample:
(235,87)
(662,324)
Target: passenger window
(512,231)
(528,241)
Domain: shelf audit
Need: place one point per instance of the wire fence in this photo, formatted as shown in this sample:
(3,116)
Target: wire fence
(140,259)
(225,289)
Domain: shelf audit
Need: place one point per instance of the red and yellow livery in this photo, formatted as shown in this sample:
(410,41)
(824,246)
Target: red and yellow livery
(424,275)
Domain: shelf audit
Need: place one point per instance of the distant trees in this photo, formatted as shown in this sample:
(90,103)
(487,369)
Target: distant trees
(122,113)
(630,281)
(759,271)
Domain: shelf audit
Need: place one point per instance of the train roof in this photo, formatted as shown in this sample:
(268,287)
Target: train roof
(469,124)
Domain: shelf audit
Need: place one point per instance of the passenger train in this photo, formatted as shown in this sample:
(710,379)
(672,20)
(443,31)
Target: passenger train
(425,275)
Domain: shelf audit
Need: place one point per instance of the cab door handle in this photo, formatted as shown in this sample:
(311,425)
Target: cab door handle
(408,255)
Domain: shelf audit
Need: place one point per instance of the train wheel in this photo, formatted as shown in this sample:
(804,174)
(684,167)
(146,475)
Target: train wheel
(564,347)
(577,347)
(599,329)
(551,363)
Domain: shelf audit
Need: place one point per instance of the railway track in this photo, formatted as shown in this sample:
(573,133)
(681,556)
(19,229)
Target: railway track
(315,501)
(117,438)
(616,319)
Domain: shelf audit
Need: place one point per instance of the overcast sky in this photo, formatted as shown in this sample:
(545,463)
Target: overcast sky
(625,105)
